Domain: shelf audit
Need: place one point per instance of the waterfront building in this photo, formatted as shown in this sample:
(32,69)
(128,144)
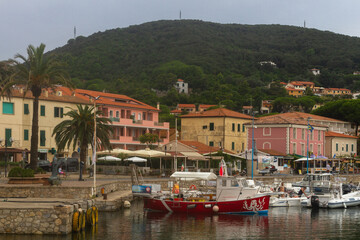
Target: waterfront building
(130,118)
(219,127)
(16,121)
(338,144)
(286,135)
(334,125)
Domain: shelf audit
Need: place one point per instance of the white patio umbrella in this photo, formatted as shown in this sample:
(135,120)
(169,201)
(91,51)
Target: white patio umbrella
(149,153)
(135,159)
(109,158)
(115,151)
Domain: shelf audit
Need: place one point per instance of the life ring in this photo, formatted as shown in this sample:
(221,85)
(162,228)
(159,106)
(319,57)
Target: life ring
(192,187)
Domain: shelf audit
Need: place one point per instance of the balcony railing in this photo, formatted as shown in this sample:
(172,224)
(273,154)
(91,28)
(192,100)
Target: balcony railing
(159,124)
(114,119)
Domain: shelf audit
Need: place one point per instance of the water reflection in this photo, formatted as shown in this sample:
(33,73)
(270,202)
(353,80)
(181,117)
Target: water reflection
(281,223)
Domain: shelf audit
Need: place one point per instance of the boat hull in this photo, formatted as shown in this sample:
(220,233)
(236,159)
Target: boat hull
(286,202)
(258,205)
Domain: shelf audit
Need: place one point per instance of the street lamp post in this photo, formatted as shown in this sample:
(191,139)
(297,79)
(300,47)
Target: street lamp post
(307,146)
(252,147)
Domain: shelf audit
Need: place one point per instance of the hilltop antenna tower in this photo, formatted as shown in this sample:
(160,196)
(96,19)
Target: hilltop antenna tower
(304,24)
(74,32)
(180,15)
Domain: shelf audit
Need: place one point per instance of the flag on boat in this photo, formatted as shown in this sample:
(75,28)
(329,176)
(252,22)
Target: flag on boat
(311,128)
(223,169)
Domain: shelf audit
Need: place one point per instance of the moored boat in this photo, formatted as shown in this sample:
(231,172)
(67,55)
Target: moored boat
(211,195)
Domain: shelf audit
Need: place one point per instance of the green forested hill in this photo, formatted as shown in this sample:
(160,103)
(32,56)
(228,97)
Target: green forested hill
(220,61)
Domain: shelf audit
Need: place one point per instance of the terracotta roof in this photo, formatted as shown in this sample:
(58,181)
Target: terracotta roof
(184,105)
(108,98)
(247,107)
(338,89)
(302,116)
(335,134)
(218,112)
(272,152)
(180,80)
(201,147)
(284,119)
(303,83)
(175,111)
(51,96)
(206,106)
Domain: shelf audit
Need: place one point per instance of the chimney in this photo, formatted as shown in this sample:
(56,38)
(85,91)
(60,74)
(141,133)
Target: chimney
(158,105)
(46,93)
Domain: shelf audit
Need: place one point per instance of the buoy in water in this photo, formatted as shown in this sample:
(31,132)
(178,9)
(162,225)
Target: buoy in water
(127,204)
(215,208)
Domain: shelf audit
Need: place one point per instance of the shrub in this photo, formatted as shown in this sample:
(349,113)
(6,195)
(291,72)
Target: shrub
(20,172)
(15,172)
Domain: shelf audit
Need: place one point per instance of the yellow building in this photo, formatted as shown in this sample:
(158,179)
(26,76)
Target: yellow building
(217,127)
(295,92)
(16,119)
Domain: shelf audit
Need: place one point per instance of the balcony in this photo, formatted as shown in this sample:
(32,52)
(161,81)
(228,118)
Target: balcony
(114,119)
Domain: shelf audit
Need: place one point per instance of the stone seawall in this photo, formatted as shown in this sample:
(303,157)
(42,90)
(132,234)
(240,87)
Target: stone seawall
(35,220)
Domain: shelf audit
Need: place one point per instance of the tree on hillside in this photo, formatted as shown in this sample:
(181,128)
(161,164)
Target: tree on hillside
(346,110)
(35,72)
(79,129)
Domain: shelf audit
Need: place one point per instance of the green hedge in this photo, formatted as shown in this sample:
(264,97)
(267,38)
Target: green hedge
(2,163)
(20,172)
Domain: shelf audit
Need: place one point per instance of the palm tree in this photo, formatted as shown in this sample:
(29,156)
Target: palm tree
(35,72)
(79,129)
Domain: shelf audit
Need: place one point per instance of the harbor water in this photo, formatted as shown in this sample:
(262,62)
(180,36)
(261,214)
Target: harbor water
(280,223)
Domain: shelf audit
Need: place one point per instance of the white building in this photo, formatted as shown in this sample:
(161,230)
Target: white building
(182,86)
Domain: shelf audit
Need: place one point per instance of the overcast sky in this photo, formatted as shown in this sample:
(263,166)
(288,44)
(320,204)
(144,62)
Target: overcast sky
(24,22)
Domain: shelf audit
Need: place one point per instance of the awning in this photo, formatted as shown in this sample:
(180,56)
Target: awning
(192,176)
(193,156)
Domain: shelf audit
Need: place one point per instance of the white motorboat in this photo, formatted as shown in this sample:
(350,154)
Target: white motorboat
(286,201)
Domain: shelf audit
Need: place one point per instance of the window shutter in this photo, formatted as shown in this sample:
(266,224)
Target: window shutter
(8,136)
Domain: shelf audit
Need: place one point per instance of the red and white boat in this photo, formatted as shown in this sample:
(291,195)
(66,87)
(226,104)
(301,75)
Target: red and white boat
(210,195)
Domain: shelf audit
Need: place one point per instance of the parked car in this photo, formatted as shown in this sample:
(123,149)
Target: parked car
(68,164)
(268,170)
(44,164)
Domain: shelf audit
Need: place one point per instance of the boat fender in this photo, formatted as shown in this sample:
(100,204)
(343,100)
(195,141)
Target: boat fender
(127,204)
(215,208)
(192,187)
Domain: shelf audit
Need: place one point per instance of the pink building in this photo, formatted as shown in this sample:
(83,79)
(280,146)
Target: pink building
(130,118)
(286,135)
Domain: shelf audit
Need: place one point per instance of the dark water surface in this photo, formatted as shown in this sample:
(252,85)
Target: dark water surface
(280,223)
